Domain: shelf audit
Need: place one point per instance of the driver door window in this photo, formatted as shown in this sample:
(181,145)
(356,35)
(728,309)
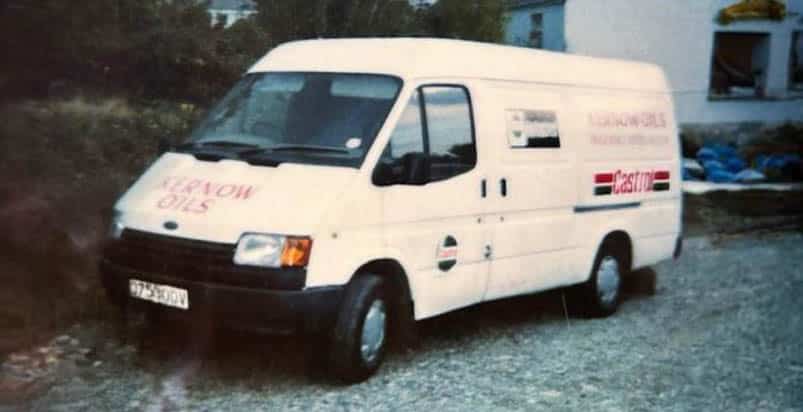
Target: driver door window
(436,124)
(408,137)
(450,133)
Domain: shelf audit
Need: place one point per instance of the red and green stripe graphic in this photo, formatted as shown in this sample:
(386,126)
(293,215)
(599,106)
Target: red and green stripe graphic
(661,181)
(621,182)
(604,184)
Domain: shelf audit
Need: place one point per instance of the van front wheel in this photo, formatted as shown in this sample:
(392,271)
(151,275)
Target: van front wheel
(359,337)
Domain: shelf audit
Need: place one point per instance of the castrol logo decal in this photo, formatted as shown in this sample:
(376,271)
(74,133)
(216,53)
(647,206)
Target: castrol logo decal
(623,182)
(198,196)
(447,254)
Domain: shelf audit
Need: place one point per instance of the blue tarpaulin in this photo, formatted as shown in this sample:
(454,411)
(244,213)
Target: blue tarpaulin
(723,164)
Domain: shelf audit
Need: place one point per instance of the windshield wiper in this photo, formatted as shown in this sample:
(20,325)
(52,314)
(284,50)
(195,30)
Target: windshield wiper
(215,150)
(218,143)
(295,148)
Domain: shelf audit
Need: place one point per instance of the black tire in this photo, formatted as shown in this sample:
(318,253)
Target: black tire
(592,299)
(346,360)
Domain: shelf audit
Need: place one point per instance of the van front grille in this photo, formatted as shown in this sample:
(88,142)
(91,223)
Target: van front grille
(195,261)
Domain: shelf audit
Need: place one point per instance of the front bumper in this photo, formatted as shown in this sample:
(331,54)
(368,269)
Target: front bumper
(236,307)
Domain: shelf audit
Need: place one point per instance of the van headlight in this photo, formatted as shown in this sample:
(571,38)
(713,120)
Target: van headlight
(272,251)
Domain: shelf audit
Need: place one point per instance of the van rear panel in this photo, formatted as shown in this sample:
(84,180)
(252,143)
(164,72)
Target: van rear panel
(627,145)
(628,169)
(581,163)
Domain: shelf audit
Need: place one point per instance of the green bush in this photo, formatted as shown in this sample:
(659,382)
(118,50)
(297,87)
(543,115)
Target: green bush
(63,164)
(479,20)
(148,48)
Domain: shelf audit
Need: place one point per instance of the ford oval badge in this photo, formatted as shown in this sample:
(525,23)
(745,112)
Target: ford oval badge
(170,225)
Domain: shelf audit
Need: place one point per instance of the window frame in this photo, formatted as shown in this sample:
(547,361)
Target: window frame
(419,91)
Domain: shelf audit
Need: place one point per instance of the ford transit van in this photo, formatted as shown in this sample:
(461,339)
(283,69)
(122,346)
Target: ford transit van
(348,188)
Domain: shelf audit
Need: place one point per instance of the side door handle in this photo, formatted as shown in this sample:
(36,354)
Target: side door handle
(503,186)
(488,252)
(484,188)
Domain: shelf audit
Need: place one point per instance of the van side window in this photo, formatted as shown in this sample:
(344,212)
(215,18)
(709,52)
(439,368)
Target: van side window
(408,137)
(450,131)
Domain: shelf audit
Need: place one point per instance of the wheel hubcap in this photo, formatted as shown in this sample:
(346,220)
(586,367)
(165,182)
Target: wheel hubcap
(373,331)
(608,280)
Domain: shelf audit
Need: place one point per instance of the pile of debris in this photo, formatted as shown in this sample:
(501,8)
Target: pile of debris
(723,164)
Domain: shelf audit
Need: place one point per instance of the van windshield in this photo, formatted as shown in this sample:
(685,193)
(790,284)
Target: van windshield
(312,118)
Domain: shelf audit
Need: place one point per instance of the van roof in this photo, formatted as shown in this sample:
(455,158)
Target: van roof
(410,58)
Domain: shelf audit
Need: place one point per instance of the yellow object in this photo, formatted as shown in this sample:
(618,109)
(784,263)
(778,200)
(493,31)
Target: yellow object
(753,9)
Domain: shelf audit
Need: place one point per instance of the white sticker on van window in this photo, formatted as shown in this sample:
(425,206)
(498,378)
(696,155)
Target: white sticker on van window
(532,129)
(353,143)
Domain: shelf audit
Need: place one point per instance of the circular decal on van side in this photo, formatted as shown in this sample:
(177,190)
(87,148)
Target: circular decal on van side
(447,254)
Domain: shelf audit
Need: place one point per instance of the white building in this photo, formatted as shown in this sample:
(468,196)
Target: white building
(749,70)
(227,12)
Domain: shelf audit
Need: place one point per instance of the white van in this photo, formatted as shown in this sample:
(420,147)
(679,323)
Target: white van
(351,187)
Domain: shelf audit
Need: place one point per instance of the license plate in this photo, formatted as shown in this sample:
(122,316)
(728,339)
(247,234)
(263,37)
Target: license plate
(161,294)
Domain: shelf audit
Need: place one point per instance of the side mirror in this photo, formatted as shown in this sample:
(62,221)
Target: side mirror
(416,168)
(411,169)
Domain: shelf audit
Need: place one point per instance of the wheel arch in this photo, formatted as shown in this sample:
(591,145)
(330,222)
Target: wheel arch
(621,241)
(618,238)
(398,290)
(392,272)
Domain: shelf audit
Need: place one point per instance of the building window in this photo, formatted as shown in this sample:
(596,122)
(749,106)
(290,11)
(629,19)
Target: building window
(796,62)
(739,64)
(537,30)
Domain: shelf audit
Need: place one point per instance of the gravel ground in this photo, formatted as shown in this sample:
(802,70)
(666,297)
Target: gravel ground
(720,332)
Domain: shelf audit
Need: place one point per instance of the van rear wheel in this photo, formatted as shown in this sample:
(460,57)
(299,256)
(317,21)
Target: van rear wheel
(601,294)
(359,337)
